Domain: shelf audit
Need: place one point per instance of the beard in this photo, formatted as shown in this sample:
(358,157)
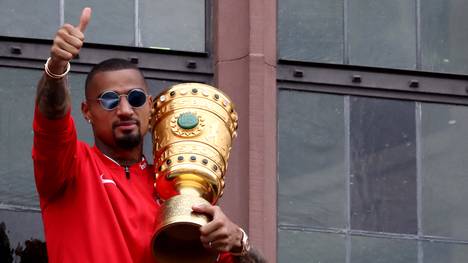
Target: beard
(128,141)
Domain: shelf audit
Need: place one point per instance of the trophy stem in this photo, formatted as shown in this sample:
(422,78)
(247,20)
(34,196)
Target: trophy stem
(193,185)
(177,237)
(189,191)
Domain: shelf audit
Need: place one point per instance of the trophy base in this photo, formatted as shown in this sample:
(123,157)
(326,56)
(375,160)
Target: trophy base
(177,237)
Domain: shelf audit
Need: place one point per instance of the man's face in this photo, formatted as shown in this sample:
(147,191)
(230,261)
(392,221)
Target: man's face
(124,126)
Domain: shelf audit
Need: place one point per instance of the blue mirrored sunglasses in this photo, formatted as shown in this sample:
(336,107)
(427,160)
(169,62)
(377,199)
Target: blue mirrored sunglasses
(109,100)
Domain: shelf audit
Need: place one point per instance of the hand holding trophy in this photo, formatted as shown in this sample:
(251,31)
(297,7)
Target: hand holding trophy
(193,126)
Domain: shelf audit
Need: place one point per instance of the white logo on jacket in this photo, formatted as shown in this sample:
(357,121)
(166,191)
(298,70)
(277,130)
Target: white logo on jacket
(107,181)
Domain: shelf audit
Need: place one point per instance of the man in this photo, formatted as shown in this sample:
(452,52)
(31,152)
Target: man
(98,202)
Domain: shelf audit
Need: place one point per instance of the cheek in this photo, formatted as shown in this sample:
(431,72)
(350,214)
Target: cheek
(103,125)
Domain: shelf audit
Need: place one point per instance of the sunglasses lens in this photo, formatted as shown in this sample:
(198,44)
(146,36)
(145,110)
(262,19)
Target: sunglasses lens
(136,98)
(109,100)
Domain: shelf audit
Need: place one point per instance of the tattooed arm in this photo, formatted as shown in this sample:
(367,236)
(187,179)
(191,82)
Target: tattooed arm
(53,97)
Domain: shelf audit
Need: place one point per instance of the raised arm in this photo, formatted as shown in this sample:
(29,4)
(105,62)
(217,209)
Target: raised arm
(53,96)
(55,139)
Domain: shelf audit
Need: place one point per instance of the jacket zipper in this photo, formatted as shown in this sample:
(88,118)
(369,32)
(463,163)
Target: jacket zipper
(127,171)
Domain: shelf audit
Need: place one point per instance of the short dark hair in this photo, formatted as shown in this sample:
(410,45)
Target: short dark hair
(111,64)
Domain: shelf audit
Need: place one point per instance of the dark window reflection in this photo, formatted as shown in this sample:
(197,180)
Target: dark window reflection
(436,252)
(32,250)
(173,24)
(18,87)
(444,166)
(311,30)
(382,33)
(299,246)
(383,165)
(112,21)
(443,36)
(312,189)
(32,19)
(383,250)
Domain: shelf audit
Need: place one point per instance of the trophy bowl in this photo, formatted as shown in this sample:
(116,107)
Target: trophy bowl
(192,127)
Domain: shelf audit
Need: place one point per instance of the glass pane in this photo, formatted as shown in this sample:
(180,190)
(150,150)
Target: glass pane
(444,168)
(312,188)
(383,250)
(173,24)
(21,226)
(437,252)
(311,30)
(383,165)
(156,86)
(19,18)
(382,33)
(295,246)
(17,186)
(112,21)
(18,90)
(443,37)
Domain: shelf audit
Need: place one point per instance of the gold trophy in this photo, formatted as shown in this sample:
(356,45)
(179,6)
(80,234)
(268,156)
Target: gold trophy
(193,126)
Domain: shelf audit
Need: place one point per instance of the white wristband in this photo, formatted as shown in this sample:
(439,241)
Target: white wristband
(55,76)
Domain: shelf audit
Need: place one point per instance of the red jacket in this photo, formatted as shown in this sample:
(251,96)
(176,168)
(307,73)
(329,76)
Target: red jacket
(91,211)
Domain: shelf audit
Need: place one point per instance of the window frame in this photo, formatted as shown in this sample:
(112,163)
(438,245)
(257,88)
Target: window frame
(373,82)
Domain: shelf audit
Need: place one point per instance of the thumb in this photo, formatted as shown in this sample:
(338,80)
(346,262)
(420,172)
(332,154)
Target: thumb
(84,19)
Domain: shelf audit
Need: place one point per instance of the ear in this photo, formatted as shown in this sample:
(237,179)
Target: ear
(85,111)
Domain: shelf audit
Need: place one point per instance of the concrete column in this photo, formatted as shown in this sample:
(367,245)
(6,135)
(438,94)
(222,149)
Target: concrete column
(245,68)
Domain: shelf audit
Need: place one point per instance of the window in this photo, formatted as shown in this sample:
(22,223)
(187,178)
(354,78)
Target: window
(369,170)
(416,35)
(169,25)
(372,157)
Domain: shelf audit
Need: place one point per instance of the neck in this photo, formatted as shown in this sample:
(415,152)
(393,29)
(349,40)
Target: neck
(124,157)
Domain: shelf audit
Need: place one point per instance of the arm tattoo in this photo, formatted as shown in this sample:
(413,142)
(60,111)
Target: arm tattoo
(253,256)
(53,97)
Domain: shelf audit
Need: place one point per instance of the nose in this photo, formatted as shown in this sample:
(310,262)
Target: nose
(124,108)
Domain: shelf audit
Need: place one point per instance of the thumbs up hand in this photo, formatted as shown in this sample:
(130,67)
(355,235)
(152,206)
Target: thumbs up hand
(68,42)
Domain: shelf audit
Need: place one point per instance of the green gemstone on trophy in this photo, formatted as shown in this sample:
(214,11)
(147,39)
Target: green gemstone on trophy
(187,121)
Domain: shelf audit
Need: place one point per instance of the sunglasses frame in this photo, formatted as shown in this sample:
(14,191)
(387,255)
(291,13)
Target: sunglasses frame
(100,99)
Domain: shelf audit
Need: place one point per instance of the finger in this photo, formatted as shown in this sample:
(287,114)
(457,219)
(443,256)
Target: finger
(220,245)
(218,234)
(211,227)
(205,209)
(72,40)
(207,244)
(65,46)
(76,33)
(60,54)
(84,19)
(68,32)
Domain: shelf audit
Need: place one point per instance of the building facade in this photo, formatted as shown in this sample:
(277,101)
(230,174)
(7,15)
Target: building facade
(352,115)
